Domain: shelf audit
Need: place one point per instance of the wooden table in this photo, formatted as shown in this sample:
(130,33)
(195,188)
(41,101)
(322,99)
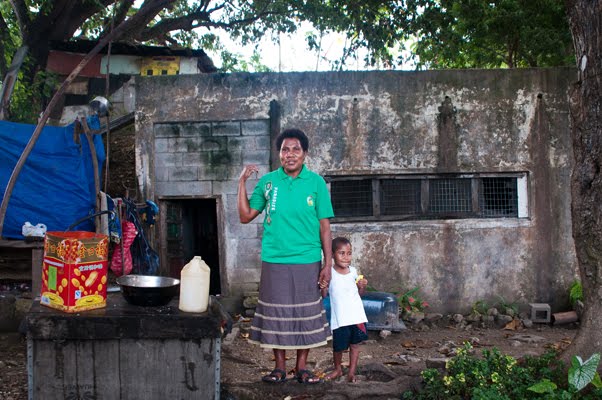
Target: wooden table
(21,260)
(124,352)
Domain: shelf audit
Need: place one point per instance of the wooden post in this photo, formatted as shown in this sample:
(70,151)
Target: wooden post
(564,317)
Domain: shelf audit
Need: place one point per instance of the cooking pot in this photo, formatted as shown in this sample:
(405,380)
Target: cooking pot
(147,290)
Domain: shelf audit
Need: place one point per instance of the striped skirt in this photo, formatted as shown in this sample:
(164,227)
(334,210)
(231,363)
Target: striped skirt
(290,314)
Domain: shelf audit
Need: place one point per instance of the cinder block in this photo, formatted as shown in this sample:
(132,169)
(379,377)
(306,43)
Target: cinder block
(540,313)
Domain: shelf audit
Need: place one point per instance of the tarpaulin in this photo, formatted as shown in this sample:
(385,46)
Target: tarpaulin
(56,185)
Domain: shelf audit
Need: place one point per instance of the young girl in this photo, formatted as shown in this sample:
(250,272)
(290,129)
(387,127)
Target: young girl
(347,316)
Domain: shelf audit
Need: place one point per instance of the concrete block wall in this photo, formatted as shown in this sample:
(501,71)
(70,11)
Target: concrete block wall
(385,123)
(205,159)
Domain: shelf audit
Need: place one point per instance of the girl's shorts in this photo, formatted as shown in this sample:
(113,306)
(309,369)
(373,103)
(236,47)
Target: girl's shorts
(344,336)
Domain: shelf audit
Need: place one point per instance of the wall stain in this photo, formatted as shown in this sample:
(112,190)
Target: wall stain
(543,258)
(189,377)
(447,155)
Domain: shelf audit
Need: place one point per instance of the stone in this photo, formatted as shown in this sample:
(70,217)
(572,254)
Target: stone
(504,319)
(527,323)
(493,311)
(250,301)
(438,362)
(432,317)
(457,318)
(229,339)
(526,338)
(473,317)
(384,334)
(415,317)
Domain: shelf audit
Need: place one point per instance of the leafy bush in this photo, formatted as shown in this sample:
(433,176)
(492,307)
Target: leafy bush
(575,293)
(410,301)
(495,376)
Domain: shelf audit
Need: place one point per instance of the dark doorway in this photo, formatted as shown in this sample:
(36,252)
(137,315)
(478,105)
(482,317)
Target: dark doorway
(192,231)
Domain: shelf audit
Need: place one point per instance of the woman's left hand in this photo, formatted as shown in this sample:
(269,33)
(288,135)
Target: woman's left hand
(325,275)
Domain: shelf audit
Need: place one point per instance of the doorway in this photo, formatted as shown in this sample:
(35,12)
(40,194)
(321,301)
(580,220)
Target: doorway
(192,230)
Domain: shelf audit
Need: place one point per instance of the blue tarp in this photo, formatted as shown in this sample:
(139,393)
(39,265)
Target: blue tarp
(56,185)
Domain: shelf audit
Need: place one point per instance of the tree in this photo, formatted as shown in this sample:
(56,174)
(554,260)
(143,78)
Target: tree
(585,18)
(458,34)
(490,34)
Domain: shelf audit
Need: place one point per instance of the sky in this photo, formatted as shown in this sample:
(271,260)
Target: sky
(293,55)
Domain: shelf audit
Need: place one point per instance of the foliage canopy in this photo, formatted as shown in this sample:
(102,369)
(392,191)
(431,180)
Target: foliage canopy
(437,33)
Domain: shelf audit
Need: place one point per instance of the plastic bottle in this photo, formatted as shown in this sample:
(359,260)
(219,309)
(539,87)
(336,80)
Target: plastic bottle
(194,286)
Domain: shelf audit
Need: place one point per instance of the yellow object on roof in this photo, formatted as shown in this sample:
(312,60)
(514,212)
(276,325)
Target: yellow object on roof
(160,65)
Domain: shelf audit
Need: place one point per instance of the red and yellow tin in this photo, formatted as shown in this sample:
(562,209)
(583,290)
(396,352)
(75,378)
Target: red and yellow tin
(74,272)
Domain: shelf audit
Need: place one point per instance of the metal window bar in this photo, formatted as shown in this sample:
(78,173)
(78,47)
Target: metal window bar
(498,197)
(352,198)
(450,196)
(400,196)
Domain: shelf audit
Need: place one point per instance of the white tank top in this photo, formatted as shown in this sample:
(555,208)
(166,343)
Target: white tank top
(346,307)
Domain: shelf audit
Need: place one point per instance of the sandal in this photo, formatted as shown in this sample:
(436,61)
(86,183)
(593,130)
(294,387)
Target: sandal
(276,376)
(307,377)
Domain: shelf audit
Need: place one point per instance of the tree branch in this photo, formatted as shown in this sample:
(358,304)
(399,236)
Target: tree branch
(4,39)
(148,10)
(21,13)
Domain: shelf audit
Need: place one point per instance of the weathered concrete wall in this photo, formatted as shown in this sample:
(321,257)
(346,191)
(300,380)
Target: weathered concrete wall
(470,121)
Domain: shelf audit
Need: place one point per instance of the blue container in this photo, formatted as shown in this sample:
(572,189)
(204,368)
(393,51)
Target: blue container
(381,310)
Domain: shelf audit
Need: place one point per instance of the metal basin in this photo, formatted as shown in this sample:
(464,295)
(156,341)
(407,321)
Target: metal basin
(148,291)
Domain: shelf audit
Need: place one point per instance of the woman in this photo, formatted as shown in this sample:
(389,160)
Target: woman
(296,231)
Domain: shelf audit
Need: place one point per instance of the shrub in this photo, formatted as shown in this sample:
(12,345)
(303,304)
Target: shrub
(495,376)
(411,302)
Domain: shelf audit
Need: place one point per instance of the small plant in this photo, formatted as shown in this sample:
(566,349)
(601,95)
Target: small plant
(580,375)
(411,302)
(503,305)
(495,376)
(480,307)
(575,293)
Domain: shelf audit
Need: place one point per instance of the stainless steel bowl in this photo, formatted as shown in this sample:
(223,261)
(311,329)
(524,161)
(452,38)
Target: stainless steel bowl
(147,290)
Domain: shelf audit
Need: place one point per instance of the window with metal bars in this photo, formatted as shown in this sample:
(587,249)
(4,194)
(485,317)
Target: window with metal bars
(426,197)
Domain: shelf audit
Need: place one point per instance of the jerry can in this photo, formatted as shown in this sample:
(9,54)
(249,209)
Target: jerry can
(194,286)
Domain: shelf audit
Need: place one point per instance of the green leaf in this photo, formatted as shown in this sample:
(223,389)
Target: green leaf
(545,386)
(582,373)
(597,382)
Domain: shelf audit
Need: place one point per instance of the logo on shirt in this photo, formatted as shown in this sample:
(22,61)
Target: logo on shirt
(310,201)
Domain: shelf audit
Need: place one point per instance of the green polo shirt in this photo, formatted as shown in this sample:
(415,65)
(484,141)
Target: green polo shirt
(293,210)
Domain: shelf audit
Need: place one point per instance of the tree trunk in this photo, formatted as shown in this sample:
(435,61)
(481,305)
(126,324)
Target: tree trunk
(585,19)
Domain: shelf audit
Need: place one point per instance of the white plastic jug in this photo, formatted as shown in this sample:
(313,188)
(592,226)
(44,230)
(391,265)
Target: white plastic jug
(194,286)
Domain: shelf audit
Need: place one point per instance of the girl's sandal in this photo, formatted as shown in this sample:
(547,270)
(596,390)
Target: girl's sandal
(307,377)
(276,376)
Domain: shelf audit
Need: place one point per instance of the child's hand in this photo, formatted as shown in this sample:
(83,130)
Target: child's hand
(361,282)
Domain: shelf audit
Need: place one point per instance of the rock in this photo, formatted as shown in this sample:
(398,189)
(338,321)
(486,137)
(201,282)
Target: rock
(515,343)
(448,348)
(231,336)
(432,317)
(250,301)
(473,317)
(526,338)
(415,317)
(457,318)
(474,340)
(504,319)
(438,363)
(492,311)
(384,334)
(509,311)
(527,323)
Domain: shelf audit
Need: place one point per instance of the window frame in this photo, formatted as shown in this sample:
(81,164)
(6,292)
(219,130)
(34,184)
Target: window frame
(521,180)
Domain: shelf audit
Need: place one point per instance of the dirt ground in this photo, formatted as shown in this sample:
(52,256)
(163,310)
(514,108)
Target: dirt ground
(388,366)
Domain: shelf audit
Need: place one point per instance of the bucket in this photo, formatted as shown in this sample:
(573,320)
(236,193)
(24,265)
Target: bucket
(194,286)
(74,271)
